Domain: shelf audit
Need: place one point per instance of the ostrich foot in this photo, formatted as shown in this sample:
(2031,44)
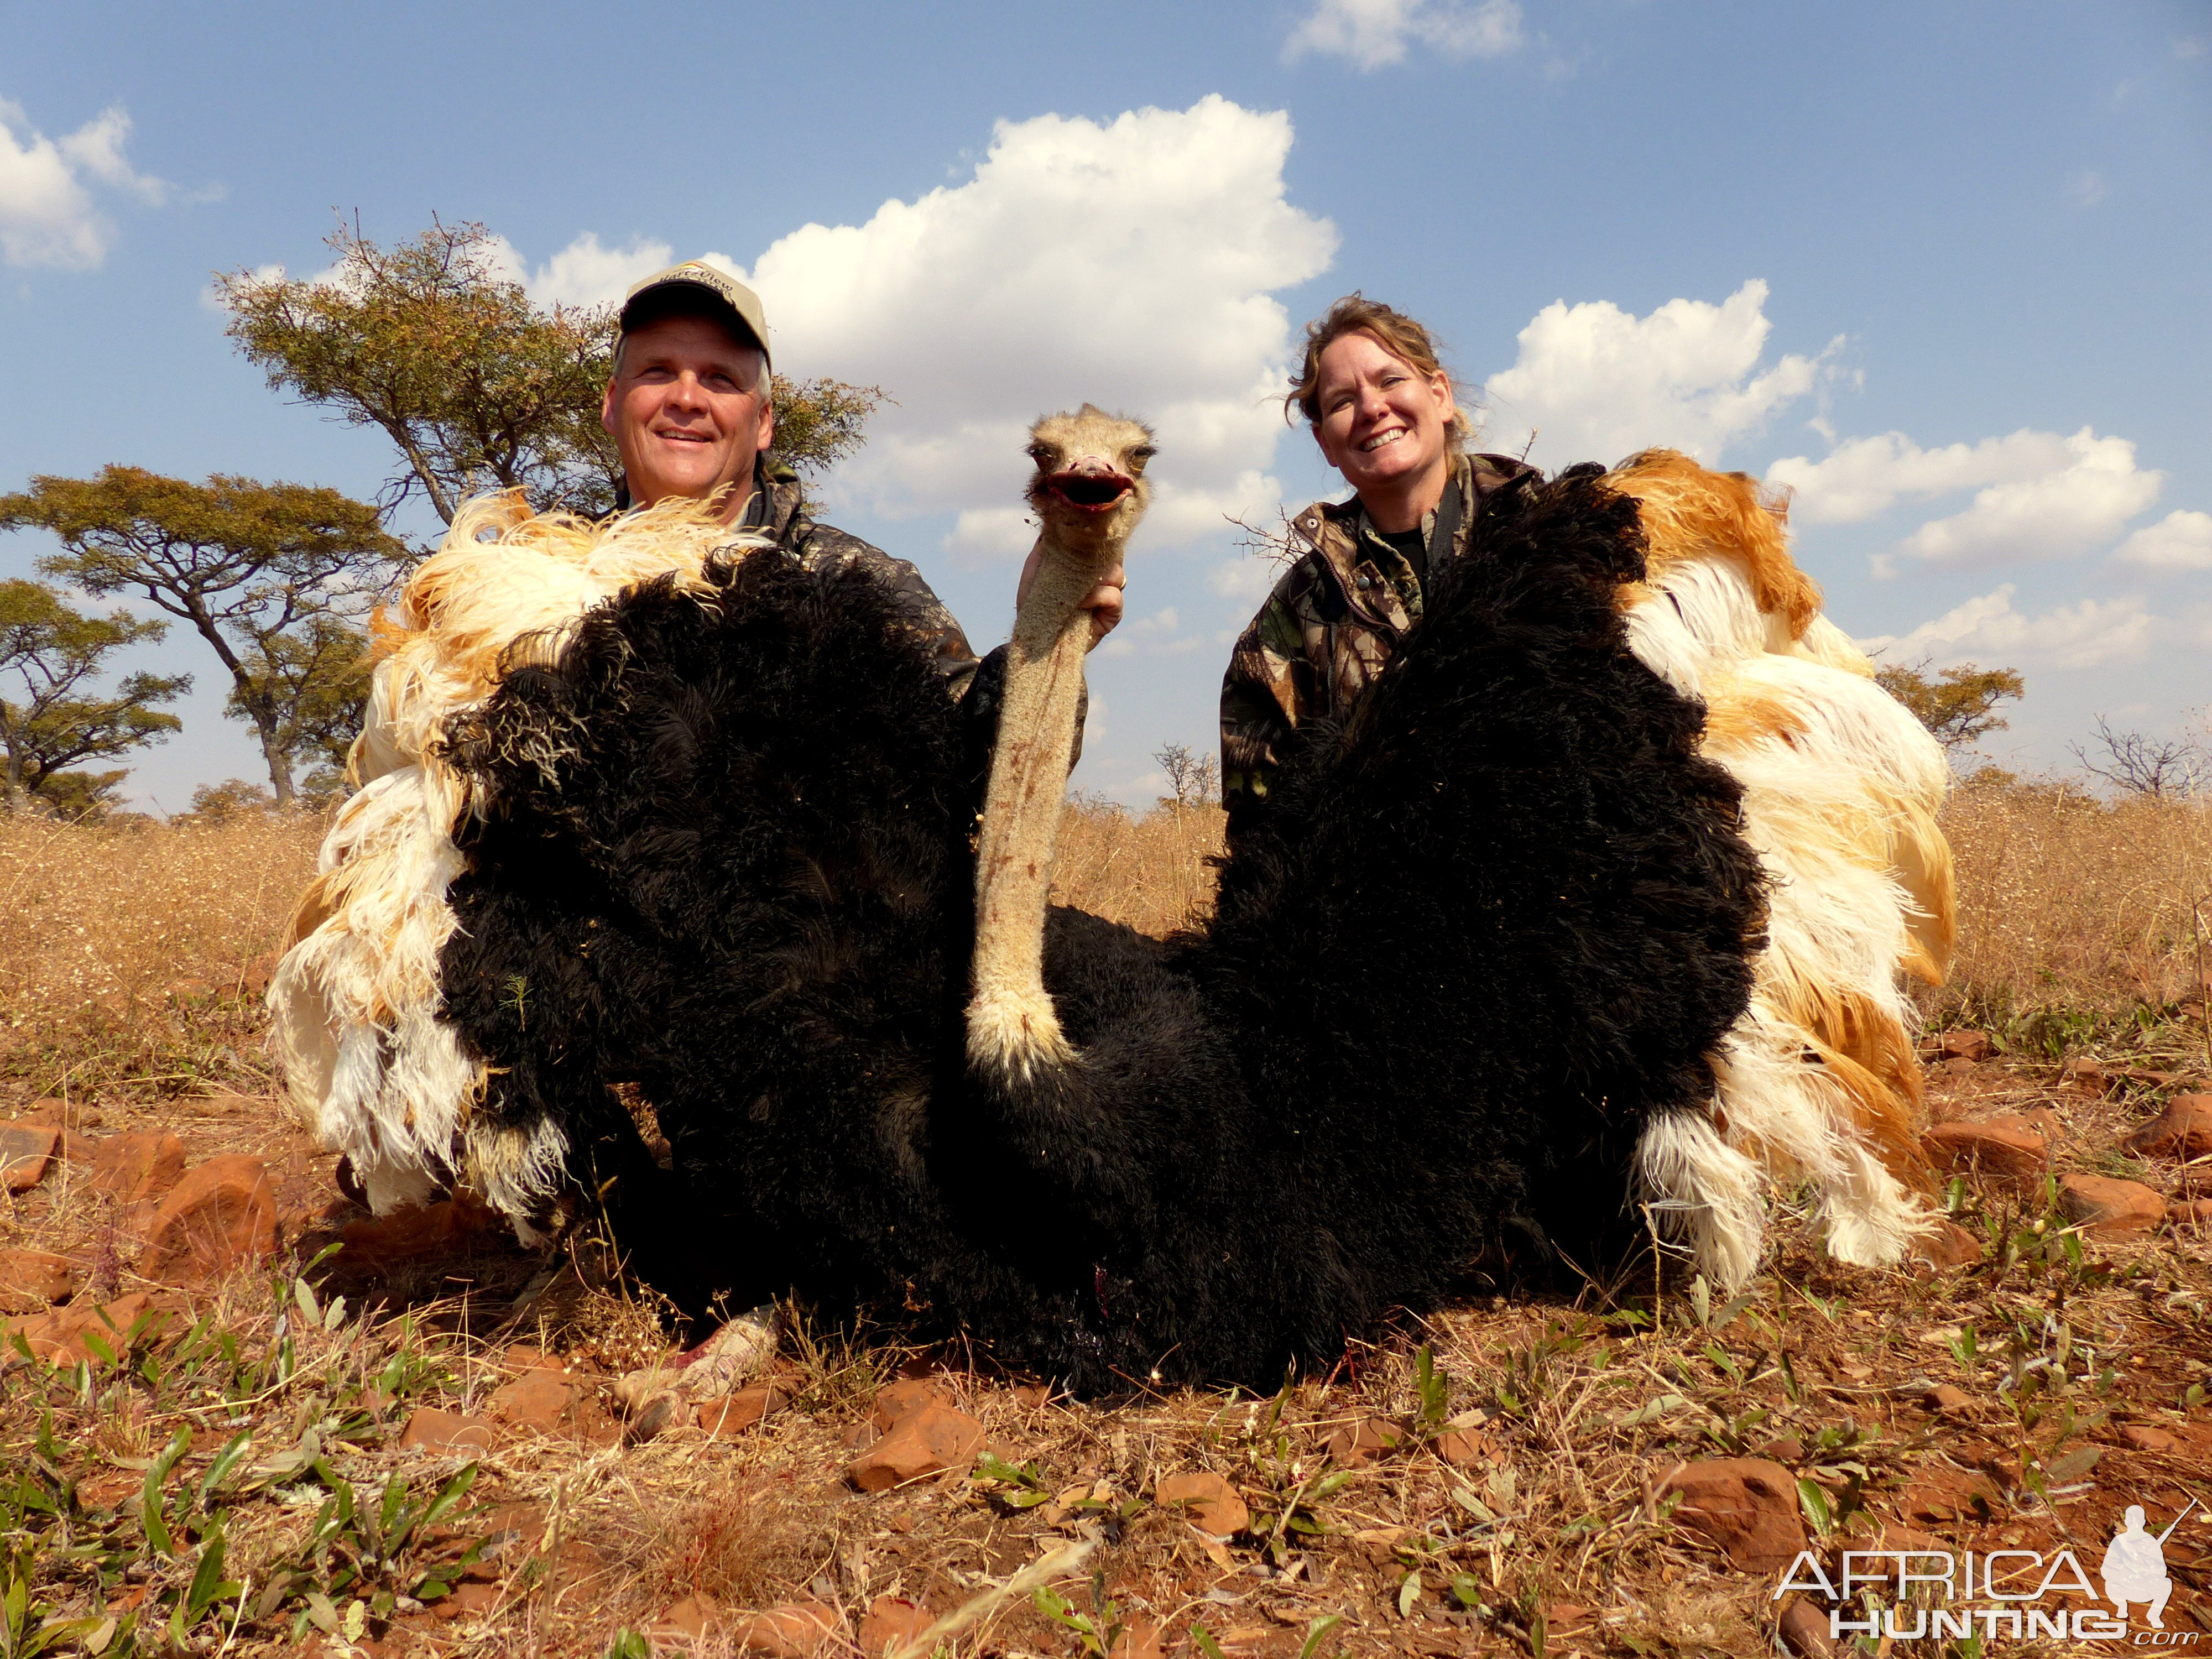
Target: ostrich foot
(715,1368)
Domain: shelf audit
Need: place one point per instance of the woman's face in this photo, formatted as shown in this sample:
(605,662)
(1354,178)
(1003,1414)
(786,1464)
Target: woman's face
(1383,422)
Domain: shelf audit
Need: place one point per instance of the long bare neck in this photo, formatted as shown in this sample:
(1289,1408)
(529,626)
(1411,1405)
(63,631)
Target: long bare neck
(1012,1025)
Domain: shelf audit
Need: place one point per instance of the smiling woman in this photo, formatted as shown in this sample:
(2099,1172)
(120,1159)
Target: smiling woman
(1381,410)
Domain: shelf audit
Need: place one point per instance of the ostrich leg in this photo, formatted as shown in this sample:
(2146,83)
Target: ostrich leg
(1089,493)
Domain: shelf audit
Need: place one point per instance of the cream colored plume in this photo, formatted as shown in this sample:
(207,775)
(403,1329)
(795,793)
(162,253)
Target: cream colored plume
(371,1068)
(1818,1081)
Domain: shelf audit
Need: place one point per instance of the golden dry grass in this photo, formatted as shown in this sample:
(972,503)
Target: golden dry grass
(1147,870)
(126,983)
(135,954)
(2070,903)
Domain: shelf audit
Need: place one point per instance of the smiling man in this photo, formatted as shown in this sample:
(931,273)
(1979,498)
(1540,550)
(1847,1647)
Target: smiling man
(1381,410)
(691,408)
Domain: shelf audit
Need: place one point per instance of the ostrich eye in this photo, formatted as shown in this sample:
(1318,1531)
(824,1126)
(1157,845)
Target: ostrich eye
(1140,455)
(1043,455)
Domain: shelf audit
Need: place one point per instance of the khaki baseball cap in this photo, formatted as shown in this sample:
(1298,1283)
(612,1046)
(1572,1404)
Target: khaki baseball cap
(743,304)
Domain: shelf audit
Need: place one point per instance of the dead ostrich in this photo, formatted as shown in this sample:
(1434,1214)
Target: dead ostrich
(1500,970)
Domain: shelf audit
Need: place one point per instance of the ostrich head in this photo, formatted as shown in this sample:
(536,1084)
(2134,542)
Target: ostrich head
(1089,492)
(1089,489)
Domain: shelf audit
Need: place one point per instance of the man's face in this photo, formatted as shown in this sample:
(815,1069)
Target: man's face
(683,413)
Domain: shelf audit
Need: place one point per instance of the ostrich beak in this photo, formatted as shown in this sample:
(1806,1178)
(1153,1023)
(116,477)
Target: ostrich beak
(1089,485)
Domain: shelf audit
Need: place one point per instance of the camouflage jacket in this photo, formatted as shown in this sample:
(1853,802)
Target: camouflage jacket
(1327,629)
(779,509)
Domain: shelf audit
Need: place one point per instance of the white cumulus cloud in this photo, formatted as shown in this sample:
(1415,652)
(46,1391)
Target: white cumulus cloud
(584,273)
(1990,630)
(1594,382)
(1861,477)
(2180,541)
(2055,512)
(1373,33)
(1129,262)
(47,215)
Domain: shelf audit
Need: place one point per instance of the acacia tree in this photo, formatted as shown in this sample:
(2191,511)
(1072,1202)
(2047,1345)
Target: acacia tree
(55,654)
(1958,705)
(477,386)
(273,577)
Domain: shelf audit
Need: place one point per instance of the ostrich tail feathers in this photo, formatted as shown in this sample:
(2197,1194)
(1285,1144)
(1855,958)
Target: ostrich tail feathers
(1841,788)
(370,1064)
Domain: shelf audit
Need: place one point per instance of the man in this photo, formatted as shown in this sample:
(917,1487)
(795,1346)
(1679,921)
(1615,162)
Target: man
(691,409)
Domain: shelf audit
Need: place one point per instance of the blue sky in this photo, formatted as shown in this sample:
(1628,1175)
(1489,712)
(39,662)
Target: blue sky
(1940,268)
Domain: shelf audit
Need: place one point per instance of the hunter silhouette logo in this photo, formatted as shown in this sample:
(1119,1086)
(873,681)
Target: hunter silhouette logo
(2135,1567)
(1931,1595)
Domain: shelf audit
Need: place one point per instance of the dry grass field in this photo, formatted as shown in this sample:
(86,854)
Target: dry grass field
(412,1444)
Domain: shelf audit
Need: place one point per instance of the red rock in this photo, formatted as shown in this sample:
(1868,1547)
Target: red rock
(734,1414)
(26,1149)
(253,982)
(31,1279)
(220,1216)
(75,1148)
(420,1229)
(1031,1395)
(902,1398)
(1363,1441)
(2107,1208)
(1965,1045)
(1746,1505)
(924,1442)
(1944,1494)
(58,1338)
(2143,1079)
(1466,1449)
(141,1164)
(1896,1535)
(536,1402)
(893,1618)
(1212,1504)
(1805,1630)
(1949,1399)
(439,1430)
(2194,1212)
(688,1618)
(1139,1638)
(2086,1075)
(2183,1130)
(2143,1437)
(2002,1149)
(792,1631)
(1949,1246)
(471,1600)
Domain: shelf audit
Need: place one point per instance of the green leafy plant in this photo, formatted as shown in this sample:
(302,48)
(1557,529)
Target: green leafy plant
(1098,1630)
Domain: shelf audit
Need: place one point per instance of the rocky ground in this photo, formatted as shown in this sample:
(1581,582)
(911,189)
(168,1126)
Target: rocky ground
(221,1435)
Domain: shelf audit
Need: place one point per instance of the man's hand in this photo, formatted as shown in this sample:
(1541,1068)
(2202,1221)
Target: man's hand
(1103,602)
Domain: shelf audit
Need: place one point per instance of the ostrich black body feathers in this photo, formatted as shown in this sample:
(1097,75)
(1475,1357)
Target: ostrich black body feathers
(1494,925)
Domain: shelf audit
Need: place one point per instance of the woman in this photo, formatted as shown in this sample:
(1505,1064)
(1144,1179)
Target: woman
(1382,410)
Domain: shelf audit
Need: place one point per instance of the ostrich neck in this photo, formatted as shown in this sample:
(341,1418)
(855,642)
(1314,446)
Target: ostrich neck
(1012,1024)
